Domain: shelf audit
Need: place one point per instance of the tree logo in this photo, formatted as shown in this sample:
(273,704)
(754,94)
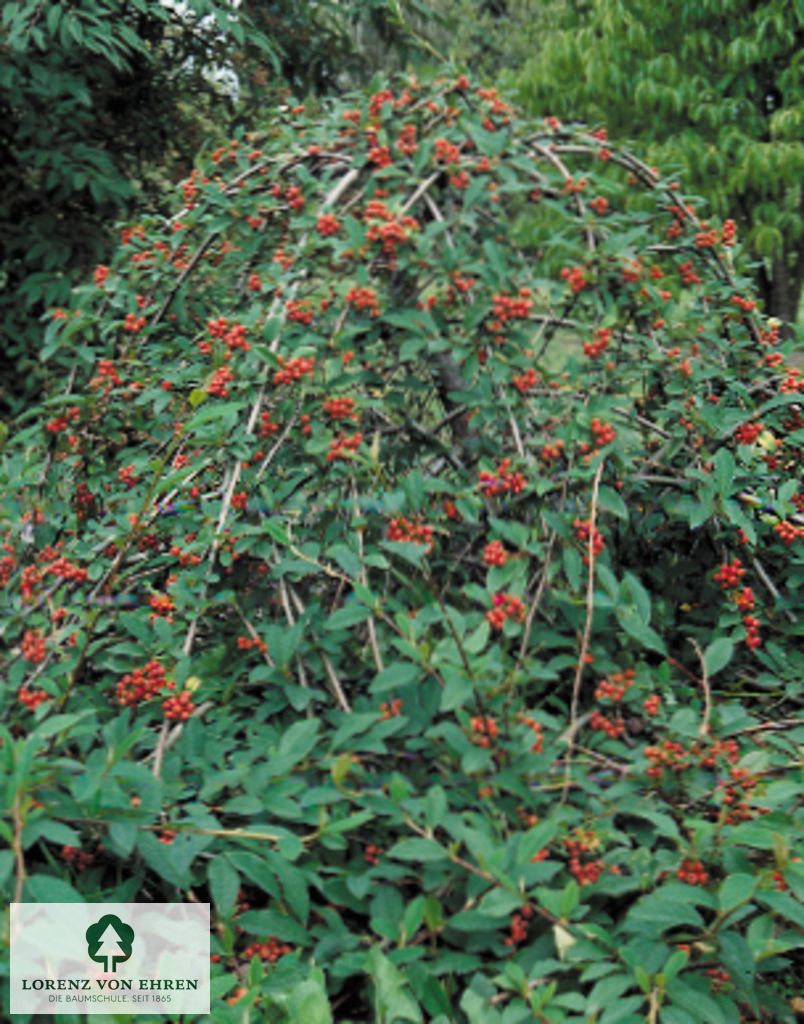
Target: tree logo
(109,941)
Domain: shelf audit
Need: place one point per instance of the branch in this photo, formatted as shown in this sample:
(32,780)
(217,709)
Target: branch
(587,632)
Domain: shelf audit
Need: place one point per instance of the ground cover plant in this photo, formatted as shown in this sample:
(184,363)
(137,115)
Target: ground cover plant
(407,561)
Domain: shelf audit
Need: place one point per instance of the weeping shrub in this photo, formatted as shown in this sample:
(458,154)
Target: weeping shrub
(407,561)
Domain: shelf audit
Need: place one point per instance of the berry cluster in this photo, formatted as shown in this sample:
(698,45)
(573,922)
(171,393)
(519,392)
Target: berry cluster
(509,307)
(402,529)
(652,705)
(692,872)
(391,709)
(583,531)
(406,141)
(688,274)
(485,730)
(519,926)
(217,387)
(392,233)
(107,371)
(162,606)
(584,872)
(446,152)
(730,574)
(179,707)
(551,452)
(267,425)
(33,646)
(747,433)
(61,423)
(271,950)
(246,643)
(506,606)
(538,737)
(603,433)
(341,408)
(502,482)
(142,684)
(670,755)
(327,224)
(66,570)
(364,299)
(612,727)
(293,369)
(495,554)
(615,687)
(300,311)
(30,698)
(600,344)
(738,790)
(525,382)
(127,476)
(381,156)
(576,278)
(343,444)
(80,859)
(372,854)
(788,533)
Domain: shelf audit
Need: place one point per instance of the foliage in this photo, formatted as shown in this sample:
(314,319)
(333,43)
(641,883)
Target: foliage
(711,86)
(103,106)
(493,36)
(407,560)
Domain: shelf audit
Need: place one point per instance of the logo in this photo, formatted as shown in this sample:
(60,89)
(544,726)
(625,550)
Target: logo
(110,959)
(109,941)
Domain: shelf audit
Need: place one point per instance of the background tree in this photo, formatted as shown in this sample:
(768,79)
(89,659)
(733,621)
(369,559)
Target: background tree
(712,85)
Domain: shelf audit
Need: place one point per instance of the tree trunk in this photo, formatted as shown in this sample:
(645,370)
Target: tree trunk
(780,290)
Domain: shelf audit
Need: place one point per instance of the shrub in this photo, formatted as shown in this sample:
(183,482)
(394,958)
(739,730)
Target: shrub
(408,563)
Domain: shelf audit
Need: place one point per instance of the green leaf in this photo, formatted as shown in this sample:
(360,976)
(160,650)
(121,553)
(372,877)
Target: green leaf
(653,914)
(636,628)
(392,1000)
(500,903)
(724,472)
(48,889)
(308,1004)
(399,674)
(347,616)
(268,922)
(224,885)
(299,740)
(737,958)
(718,654)
(734,890)
(424,850)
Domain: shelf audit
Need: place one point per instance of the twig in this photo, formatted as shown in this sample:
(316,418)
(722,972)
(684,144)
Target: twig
(168,737)
(19,855)
(332,675)
(703,729)
(372,625)
(523,647)
(760,571)
(422,188)
(587,632)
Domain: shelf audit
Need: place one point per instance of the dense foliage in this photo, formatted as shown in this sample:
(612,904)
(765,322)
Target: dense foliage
(713,87)
(407,561)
